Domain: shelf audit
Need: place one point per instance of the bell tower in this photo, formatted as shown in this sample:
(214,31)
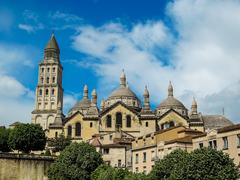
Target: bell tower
(49,91)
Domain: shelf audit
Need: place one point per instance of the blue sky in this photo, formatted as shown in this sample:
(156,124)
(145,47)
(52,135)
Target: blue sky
(193,43)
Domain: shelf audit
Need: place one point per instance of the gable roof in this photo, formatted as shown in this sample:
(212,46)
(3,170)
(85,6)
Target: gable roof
(115,105)
(172,110)
(71,116)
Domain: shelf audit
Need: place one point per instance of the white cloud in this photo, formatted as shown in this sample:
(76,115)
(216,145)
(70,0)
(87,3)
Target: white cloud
(201,56)
(31,28)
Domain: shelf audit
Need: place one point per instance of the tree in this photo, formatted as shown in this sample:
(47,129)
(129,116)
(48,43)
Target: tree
(210,164)
(172,165)
(201,164)
(4,134)
(76,161)
(59,143)
(27,137)
(105,172)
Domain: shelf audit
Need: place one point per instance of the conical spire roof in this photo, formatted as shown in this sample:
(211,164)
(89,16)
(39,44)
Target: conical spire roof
(52,43)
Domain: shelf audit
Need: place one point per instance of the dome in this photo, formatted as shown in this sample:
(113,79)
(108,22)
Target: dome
(171,103)
(82,105)
(123,94)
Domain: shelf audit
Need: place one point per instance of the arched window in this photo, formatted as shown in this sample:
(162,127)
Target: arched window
(91,124)
(119,120)
(109,121)
(146,124)
(42,70)
(78,129)
(52,91)
(56,134)
(42,80)
(47,79)
(69,131)
(46,92)
(129,121)
(53,79)
(171,124)
(53,69)
(40,92)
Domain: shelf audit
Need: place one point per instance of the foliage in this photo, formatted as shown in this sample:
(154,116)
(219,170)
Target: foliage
(201,164)
(105,172)
(47,153)
(76,161)
(59,143)
(27,137)
(4,134)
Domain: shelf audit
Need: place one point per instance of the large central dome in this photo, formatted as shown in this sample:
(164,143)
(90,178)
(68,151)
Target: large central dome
(123,94)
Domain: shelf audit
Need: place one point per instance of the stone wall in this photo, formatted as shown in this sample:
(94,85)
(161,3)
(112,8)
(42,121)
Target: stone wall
(24,167)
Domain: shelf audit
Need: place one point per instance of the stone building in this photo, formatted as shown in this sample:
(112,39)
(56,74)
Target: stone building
(122,110)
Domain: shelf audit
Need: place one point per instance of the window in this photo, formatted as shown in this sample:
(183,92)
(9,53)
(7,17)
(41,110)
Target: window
(238,140)
(47,80)
(119,163)
(53,79)
(52,91)
(69,131)
(40,92)
(56,134)
(101,137)
(110,137)
(46,92)
(42,70)
(200,145)
(136,160)
(91,124)
(119,120)
(106,151)
(146,124)
(48,69)
(144,157)
(53,69)
(136,169)
(109,121)
(128,121)
(225,143)
(152,155)
(78,129)
(171,124)
(144,169)
(42,80)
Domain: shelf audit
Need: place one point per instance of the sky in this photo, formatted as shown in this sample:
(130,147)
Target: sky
(193,43)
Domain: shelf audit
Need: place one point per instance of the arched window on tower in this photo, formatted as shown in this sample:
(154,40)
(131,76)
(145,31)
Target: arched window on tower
(69,131)
(47,80)
(47,92)
(129,121)
(53,92)
(109,121)
(119,120)
(53,79)
(40,92)
(78,129)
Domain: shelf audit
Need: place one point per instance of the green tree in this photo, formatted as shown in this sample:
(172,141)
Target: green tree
(27,137)
(164,168)
(201,164)
(76,161)
(59,143)
(4,134)
(105,172)
(210,164)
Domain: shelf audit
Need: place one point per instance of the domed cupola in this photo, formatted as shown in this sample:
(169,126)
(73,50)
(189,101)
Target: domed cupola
(83,105)
(123,94)
(171,103)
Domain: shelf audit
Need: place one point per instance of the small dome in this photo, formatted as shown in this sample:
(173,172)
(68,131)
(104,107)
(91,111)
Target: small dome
(82,105)
(123,92)
(171,102)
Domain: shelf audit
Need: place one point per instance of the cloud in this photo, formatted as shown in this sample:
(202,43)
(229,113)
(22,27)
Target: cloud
(16,100)
(198,50)
(31,28)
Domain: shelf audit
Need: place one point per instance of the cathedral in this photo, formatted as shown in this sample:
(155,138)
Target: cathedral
(121,111)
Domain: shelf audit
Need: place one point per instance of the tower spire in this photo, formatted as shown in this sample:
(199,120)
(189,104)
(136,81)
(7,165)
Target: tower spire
(94,97)
(123,79)
(146,99)
(170,89)
(194,106)
(85,92)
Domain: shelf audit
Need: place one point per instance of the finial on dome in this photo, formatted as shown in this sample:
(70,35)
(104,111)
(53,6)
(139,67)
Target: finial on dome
(102,105)
(194,106)
(85,92)
(123,79)
(170,89)
(94,96)
(146,92)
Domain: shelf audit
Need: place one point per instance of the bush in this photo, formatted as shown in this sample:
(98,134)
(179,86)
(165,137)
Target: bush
(59,143)
(76,161)
(27,137)
(4,134)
